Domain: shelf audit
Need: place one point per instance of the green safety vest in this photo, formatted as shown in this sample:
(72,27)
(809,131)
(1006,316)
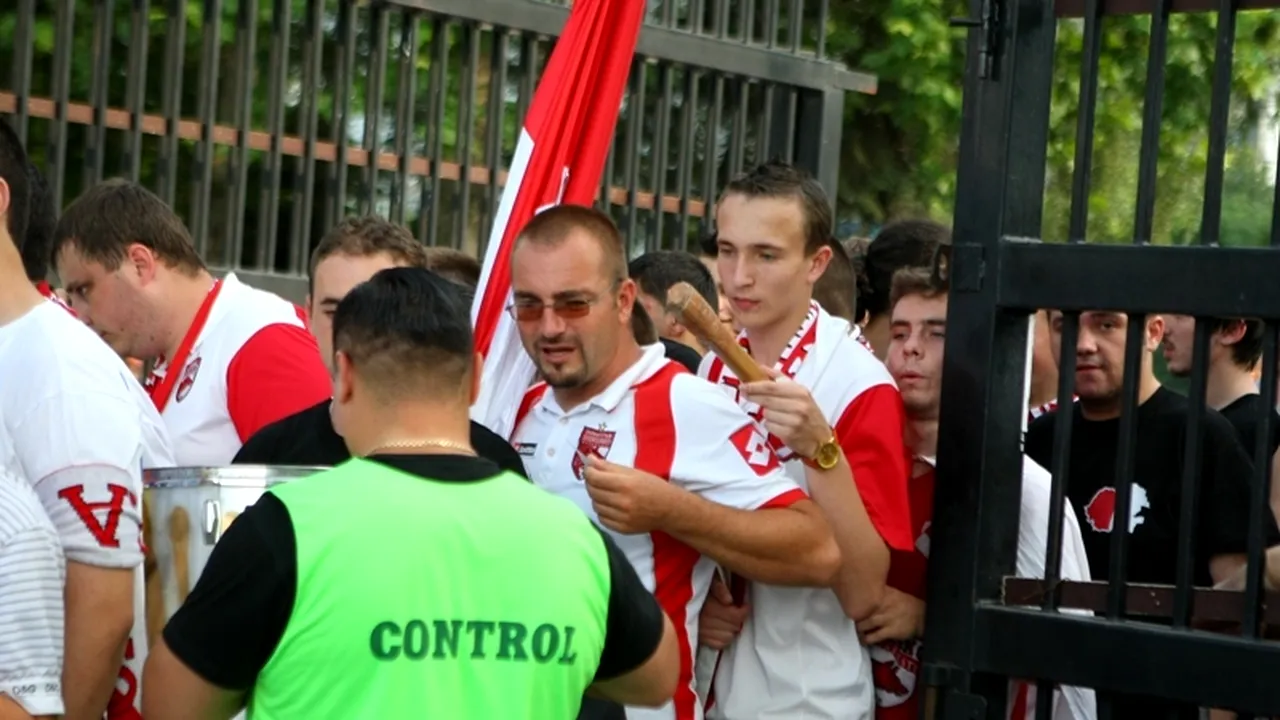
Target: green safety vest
(429,599)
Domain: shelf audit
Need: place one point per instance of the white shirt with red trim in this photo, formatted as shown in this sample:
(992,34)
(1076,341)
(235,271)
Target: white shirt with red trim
(82,430)
(254,362)
(659,418)
(798,655)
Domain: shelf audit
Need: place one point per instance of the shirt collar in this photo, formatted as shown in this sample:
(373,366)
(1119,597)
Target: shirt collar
(652,359)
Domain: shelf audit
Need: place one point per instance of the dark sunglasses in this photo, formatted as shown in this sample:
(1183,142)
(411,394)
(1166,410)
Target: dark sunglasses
(533,310)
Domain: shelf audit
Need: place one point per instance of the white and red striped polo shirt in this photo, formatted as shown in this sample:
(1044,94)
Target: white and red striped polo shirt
(659,418)
(798,655)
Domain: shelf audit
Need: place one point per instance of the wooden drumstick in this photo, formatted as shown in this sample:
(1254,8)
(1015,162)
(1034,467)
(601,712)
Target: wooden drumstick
(704,323)
(180,536)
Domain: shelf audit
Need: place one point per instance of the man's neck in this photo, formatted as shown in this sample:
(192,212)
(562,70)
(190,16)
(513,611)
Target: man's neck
(627,354)
(691,340)
(922,436)
(417,427)
(17,295)
(1226,383)
(767,343)
(181,304)
(1110,410)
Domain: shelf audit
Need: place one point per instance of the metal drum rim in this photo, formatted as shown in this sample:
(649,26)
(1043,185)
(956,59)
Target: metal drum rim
(244,476)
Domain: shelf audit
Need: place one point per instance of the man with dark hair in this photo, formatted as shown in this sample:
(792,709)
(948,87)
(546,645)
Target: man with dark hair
(655,272)
(434,545)
(229,359)
(837,289)
(454,265)
(900,244)
(82,430)
(1235,349)
(352,252)
(1153,523)
(661,458)
(835,419)
(41,220)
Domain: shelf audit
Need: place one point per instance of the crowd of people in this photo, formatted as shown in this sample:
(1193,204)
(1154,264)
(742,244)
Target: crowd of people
(656,540)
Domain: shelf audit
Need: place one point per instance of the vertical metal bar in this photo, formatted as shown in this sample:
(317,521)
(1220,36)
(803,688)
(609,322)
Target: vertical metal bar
(1087,103)
(175,45)
(824,13)
(797,25)
(96,147)
(373,109)
(688,114)
(496,117)
(788,148)
(635,136)
(207,114)
(669,13)
(1219,105)
(1152,109)
(1259,508)
(711,158)
(238,172)
(721,18)
(20,71)
(136,85)
(695,16)
(407,81)
(269,206)
(1125,463)
(304,180)
(738,139)
(439,97)
(747,18)
(656,220)
(466,130)
(764,125)
(346,63)
(64,37)
(773,8)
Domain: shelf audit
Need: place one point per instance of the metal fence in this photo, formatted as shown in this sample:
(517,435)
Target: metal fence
(264,122)
(984,625)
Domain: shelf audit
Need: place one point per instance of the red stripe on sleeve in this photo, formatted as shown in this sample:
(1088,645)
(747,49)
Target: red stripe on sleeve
(870,431)
(277,373)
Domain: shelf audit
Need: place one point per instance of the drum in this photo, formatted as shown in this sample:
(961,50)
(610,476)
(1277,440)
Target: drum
(184,513)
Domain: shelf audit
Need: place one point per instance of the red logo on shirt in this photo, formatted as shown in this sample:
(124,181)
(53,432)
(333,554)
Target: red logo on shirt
(1101,509)
(105,531)
(753,448)
(894,666)
(592,441)
(188,379)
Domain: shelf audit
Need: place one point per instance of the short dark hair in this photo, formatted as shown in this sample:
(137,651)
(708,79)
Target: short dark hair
(42,220)
(655,272)
(708,245)
(554,225)
(642,327)
(1247,351)
(407,329)
(13,171)
(837,290)
(365,236)
(901,244)
(922,281)
(112,215)
(454,265)
(781,180)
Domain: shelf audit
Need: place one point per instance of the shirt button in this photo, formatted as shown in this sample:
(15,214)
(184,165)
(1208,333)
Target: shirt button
(551,452)
(564,421)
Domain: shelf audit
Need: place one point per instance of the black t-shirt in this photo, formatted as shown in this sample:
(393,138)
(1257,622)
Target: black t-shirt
(230,624)
(1245,415)
(308,438)
(1155,503)
(681,353)
(1156,500)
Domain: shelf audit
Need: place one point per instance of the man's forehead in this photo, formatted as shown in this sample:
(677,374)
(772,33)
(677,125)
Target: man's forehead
(920,309)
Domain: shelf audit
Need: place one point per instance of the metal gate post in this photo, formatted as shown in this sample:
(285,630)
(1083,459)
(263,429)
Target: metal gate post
(999,190)
(819,126)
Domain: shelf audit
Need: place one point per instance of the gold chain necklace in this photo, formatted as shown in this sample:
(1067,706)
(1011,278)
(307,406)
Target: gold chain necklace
(462,448)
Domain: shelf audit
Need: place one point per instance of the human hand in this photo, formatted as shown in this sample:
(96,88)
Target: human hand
(898,617)
(627,500)
(790,413)
(721,620)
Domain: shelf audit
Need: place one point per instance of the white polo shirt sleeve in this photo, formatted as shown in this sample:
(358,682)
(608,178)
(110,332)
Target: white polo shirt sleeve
(83,454)
(720,454)
(32,578)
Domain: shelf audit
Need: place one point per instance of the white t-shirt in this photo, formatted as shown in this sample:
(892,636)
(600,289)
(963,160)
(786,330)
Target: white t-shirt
(82,429)
(659,418)
(33,574)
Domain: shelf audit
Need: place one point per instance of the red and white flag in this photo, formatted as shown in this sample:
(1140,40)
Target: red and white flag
(561,154)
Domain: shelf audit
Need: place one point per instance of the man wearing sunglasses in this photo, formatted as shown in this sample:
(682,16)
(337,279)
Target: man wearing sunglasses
(661,458)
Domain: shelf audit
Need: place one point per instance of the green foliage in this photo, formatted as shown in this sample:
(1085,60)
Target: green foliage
(900,146)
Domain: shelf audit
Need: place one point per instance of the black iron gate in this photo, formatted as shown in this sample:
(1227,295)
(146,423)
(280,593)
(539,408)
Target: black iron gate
(263,121)
(999,273)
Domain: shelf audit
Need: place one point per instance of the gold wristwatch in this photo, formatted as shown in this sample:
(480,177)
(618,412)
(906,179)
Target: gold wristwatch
(827,455)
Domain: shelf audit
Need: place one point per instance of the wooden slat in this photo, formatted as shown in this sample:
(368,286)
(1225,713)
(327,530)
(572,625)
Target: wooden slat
(1209,607)
(119,119)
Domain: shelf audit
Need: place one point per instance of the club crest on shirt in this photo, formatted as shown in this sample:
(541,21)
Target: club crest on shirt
(592,441)
(188,379)
(894,668)
(1100,511)
(526,449)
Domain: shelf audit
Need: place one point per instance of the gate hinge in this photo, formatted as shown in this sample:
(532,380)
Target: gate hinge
(988,24)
